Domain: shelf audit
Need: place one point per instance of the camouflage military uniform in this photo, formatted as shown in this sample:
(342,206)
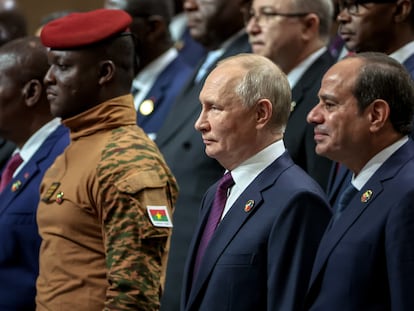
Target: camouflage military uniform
(100,249)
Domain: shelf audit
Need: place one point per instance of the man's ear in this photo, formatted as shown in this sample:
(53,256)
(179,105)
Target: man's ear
(310,27)
(379,114)
(264,110)
(106,71)
(403,10)
(157,27)
(32,91)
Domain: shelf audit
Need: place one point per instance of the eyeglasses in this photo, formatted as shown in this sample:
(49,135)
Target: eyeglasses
(266,13)
(352,8)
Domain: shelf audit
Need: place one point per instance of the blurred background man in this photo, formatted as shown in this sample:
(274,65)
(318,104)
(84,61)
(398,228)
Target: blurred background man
(191,50)
(161,71)
(25,119)
(12,25)
(294,34)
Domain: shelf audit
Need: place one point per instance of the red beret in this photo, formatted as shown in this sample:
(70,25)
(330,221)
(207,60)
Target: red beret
(80,29)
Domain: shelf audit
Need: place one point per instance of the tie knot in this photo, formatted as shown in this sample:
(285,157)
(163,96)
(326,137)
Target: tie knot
(14,162)
(226,181)
(344,199)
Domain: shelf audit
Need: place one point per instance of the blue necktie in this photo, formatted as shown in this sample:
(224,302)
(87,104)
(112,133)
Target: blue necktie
(344,200)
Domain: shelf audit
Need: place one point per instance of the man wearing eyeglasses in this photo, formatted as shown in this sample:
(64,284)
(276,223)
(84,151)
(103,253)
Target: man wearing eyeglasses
(294,35)
(385,26)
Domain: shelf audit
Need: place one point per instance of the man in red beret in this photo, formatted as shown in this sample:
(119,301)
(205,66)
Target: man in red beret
(106,203)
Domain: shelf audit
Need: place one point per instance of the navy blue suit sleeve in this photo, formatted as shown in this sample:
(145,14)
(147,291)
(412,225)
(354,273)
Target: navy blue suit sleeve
(292,248)
(399,243)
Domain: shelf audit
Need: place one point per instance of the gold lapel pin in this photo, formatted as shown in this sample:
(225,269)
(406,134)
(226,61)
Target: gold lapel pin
(147,107)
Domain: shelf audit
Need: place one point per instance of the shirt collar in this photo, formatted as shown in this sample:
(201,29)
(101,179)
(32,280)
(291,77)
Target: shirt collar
(375,163)
(403,53)
(295,74)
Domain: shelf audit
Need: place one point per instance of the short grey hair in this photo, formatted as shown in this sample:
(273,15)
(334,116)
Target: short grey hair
(263,80)
(323,8)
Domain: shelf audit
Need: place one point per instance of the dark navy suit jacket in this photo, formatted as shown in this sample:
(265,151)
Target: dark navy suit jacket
(164,91)
(365,261)
(20,241)
(260,260)
(191,51)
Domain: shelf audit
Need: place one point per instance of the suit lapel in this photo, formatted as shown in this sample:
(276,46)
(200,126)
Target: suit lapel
(156,94)
(167,83)
(233,221)
(31,168)
(335,232)
(341,178)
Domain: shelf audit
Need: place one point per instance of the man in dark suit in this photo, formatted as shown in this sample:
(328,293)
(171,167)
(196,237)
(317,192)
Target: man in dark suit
(218,26)
(161,71)
(26,120)
(13,25)
(260,255)
(294,35)
(365,260)
(191,51)
(361,31)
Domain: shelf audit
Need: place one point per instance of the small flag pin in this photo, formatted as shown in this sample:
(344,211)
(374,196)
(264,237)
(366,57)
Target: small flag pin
(249,205)
(366,196)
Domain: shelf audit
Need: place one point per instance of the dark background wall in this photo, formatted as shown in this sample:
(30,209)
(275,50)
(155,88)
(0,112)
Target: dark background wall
(36,10)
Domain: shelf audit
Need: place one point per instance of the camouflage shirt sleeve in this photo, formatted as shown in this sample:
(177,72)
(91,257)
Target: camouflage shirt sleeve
(135,248)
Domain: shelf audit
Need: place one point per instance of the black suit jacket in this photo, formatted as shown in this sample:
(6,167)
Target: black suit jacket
(299,135)
(184,152)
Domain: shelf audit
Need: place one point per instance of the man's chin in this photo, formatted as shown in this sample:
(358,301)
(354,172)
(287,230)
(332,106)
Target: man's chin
(321,151)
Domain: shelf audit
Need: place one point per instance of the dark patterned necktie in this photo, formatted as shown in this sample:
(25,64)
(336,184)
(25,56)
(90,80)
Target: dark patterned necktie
(214,217)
